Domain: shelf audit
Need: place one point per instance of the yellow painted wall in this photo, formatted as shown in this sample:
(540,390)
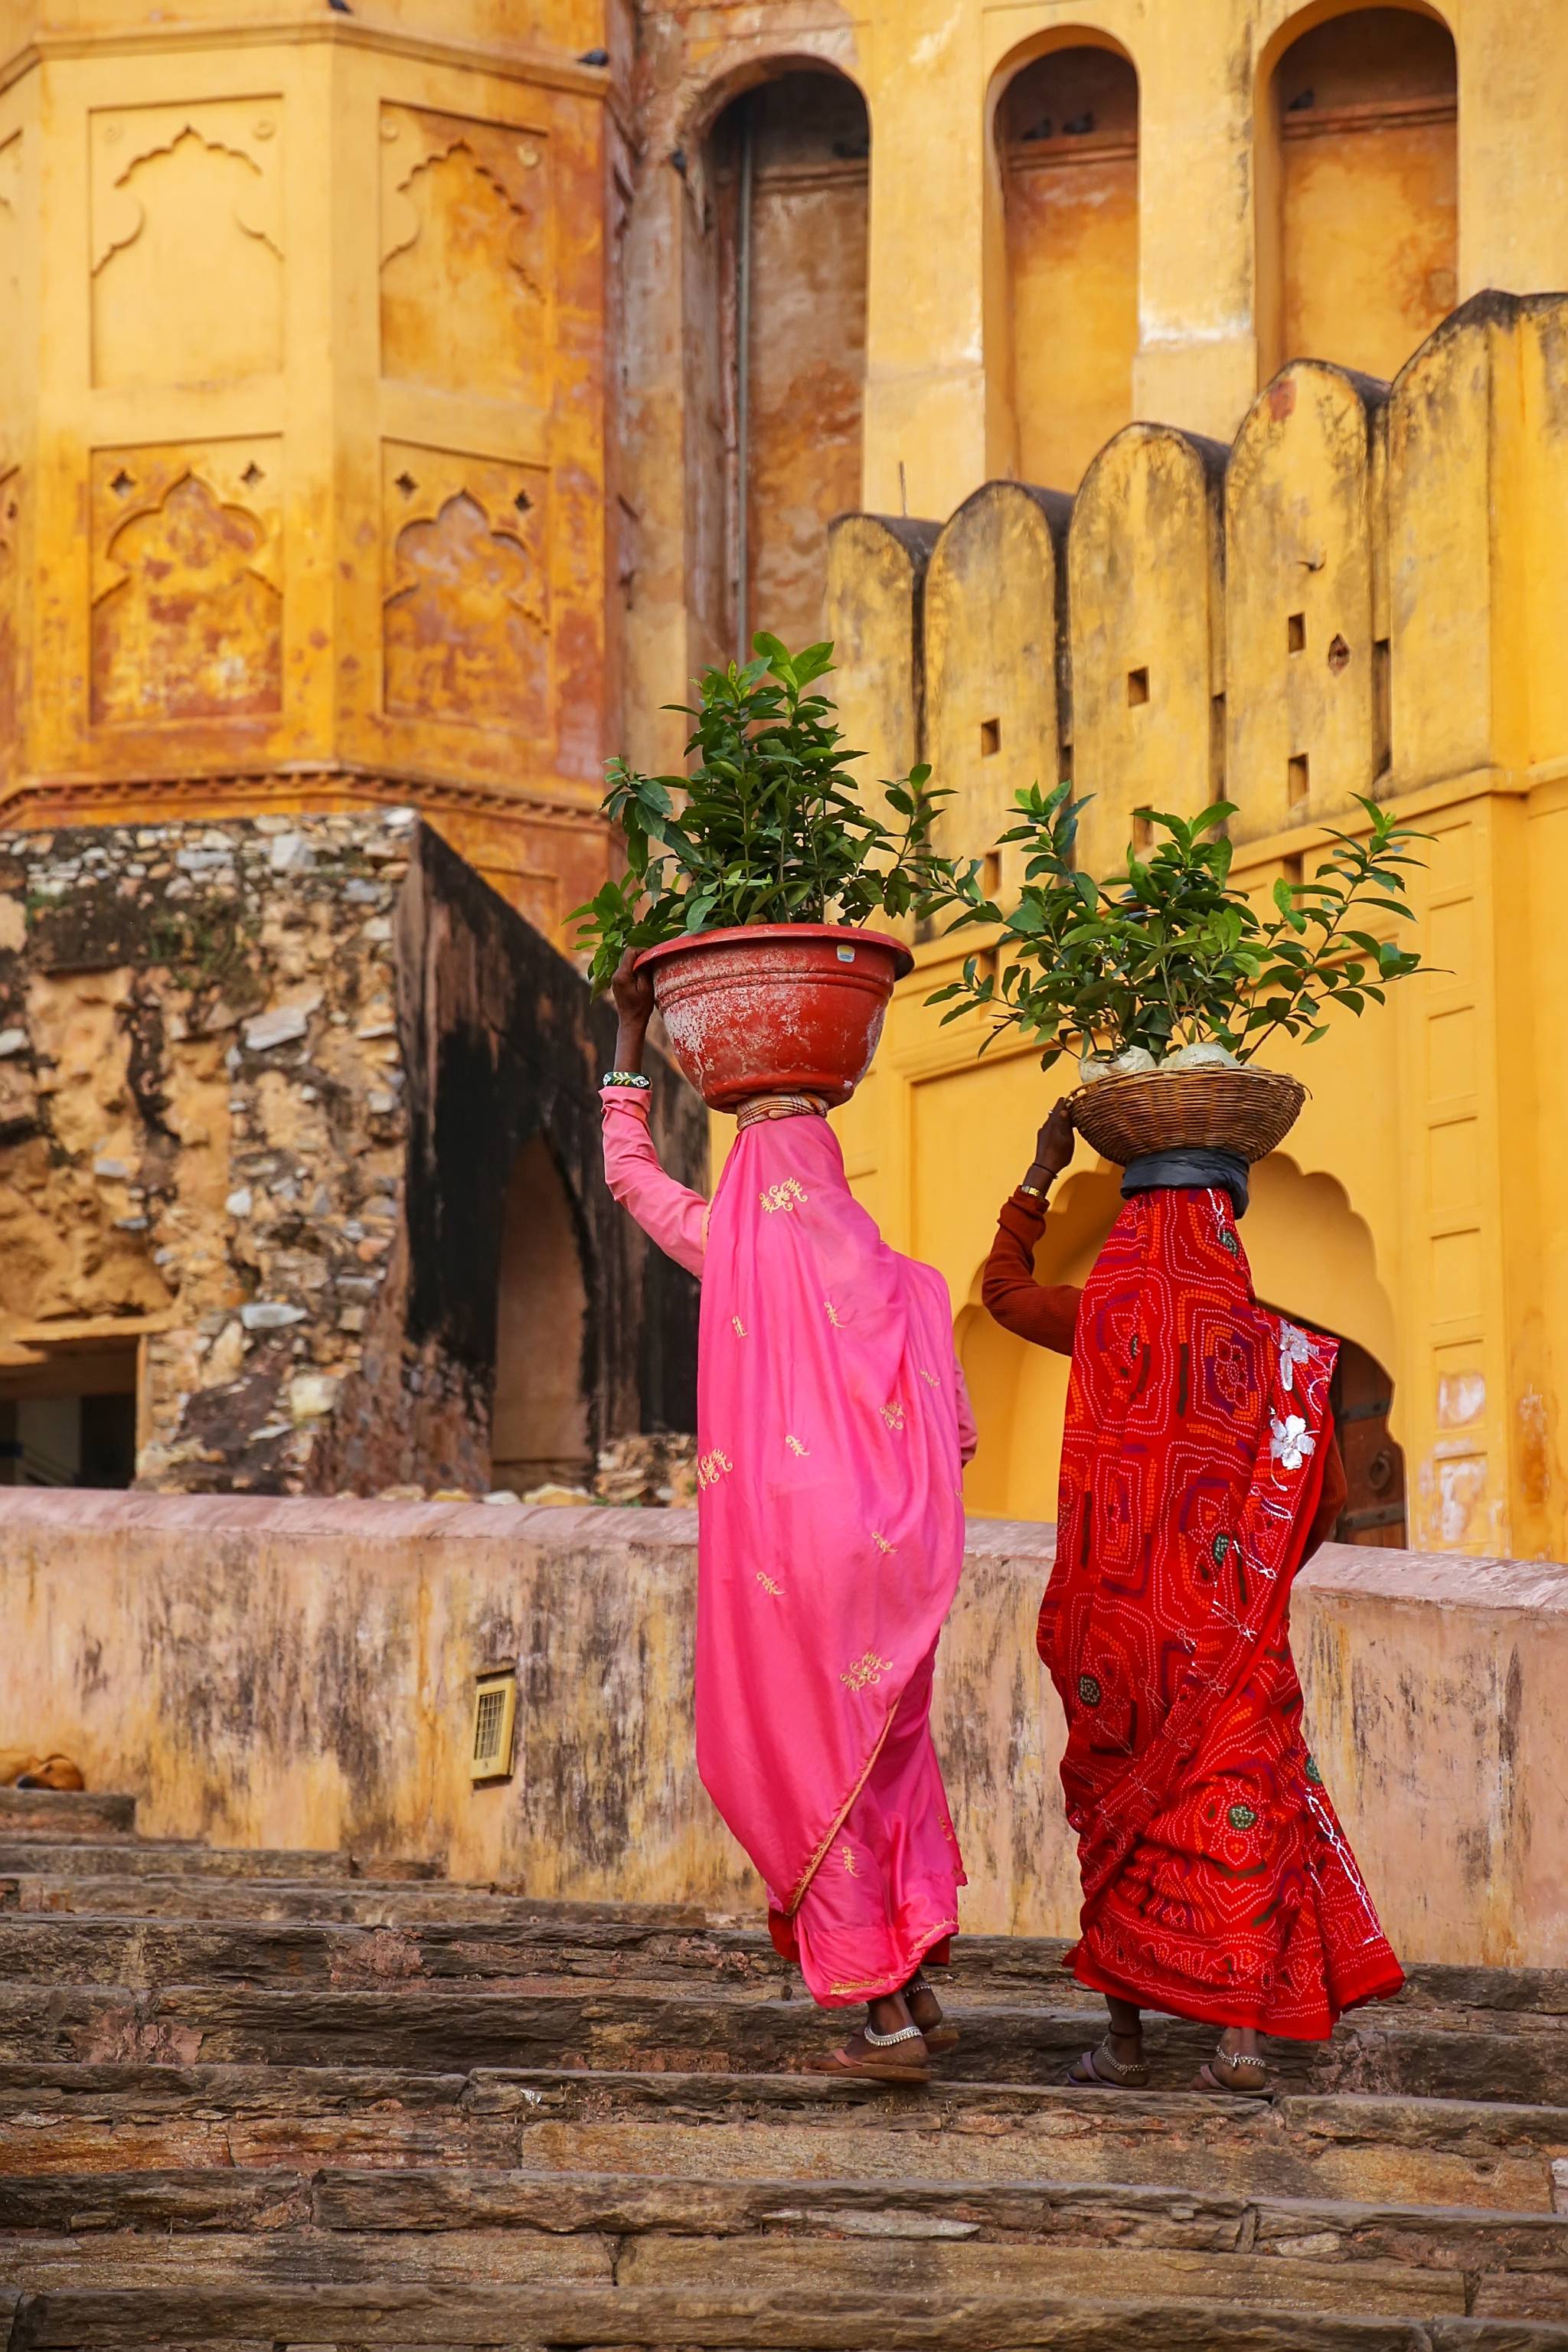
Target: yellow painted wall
(1024,298)
(302,438)
(1366,591)
(1066,136)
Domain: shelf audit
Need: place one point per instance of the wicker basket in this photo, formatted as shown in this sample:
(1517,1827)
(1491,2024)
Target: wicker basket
(1242,1110)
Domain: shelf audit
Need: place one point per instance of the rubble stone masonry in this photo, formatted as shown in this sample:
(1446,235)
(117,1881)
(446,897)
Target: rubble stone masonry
(253,1073)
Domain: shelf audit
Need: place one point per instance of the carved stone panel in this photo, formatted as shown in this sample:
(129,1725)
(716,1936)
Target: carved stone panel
(466,630)
(187,602)
(466,271)
(188,269)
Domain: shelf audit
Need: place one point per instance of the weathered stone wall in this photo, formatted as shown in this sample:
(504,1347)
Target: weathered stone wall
(302,1674)
(262,1085)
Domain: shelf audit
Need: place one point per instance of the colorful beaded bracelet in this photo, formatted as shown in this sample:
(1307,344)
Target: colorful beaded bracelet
(626,1078)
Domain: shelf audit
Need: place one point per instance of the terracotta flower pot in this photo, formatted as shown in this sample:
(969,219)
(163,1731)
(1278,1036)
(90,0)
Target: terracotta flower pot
(776,1008)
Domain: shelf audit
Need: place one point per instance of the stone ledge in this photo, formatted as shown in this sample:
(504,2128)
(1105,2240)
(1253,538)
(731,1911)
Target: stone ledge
(299,1671)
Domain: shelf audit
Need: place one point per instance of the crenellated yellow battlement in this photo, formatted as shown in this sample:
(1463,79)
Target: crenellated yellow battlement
(1365,594)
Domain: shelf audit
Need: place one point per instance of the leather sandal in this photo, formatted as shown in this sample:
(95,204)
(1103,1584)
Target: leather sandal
(899,2057)
(1253,2069)
(926,2011)
(1101,2070)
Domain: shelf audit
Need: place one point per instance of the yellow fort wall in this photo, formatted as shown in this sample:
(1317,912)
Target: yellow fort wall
(1365,594)
(1051,254)
(302,435)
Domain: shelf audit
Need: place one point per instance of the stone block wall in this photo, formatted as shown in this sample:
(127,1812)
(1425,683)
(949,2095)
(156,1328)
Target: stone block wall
(263,1086)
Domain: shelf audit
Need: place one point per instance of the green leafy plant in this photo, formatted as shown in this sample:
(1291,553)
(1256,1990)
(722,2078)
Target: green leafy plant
(1171,952)
(769,825)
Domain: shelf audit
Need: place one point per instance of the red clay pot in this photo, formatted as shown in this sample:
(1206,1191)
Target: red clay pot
(776,1008)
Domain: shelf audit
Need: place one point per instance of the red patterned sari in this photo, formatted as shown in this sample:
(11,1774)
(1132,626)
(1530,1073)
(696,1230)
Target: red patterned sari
(1217,1882)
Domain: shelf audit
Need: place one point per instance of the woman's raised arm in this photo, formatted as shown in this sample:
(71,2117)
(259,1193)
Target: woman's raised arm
(671,1214)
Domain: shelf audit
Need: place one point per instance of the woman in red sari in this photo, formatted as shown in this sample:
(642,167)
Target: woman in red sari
(1199,1471)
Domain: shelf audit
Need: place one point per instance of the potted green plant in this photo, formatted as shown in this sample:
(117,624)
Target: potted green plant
(749,881)
(1165,981)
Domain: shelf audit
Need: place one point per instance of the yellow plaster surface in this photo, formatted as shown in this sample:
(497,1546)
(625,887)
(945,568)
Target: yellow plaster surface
(1358,597)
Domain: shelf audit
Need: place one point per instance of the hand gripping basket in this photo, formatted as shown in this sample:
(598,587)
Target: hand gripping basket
(1242,1110)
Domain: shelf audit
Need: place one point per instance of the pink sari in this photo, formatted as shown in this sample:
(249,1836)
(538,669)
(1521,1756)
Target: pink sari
(831,1430)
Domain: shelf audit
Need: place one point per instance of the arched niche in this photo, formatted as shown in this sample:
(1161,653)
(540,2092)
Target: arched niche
(542,1423)
(1067,154)
(776,303)
(1357,188)
(1019,1391)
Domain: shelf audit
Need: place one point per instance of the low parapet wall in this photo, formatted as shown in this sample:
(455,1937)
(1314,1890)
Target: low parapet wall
(300,1673)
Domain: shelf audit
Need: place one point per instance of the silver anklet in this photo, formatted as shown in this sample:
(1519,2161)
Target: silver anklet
(886,2041)
(1241,2058)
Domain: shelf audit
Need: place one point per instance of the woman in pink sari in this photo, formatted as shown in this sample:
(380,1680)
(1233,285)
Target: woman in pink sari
(832,1427)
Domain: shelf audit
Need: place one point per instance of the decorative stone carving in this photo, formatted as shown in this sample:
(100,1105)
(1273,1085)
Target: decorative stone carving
(187,278)
(186,594)
(466,275)
(467,617)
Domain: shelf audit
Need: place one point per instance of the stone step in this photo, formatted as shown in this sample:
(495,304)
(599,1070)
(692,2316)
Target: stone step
(56,1813)
(81,2120)
(441,2318)
(585,1944)
(360,1902)
(164,1858)
(78,2120)
(635,2027)
(897,2235)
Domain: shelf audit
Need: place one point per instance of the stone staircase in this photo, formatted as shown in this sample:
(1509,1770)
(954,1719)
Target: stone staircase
(258,2101)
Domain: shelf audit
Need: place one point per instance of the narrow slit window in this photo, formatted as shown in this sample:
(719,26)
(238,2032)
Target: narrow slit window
(990,737)
(1296,634)
(1299,782)
(1137,688)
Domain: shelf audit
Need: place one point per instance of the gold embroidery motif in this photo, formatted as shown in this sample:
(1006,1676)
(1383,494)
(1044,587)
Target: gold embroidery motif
(712,1467)
(796,1447)
(930,1378)
(865,1671)
(893,1414)
(847,1855)
(881,1542)
(832,1315)
(740,1326)
(783,1196)
(769,1585)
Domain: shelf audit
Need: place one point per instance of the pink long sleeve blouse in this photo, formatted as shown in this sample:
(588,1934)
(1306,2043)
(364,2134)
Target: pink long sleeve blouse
(676,1218)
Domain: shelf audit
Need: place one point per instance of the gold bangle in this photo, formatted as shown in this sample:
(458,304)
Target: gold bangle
(1035,1192)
